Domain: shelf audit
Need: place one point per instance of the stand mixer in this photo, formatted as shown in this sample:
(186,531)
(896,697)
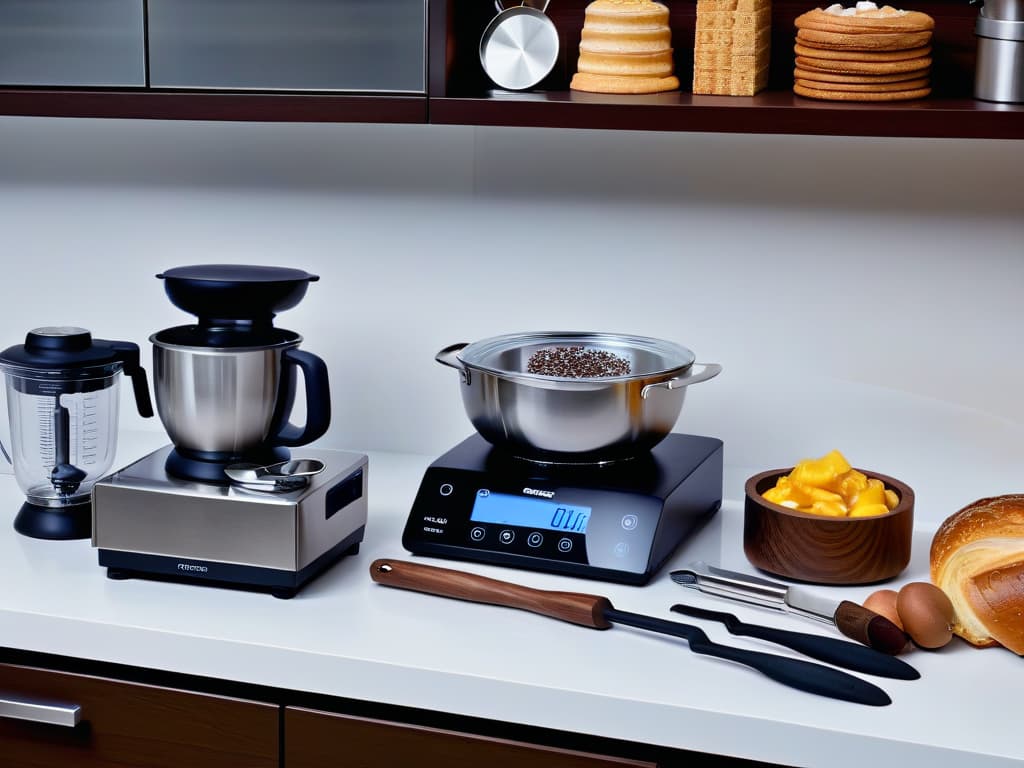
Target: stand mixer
(227,504)
(225,386)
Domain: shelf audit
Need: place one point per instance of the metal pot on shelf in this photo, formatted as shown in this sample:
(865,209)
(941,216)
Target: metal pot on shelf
(560,419)
(519,47)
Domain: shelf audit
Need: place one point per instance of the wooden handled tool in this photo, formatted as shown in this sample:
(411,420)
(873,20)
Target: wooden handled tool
(598,613)
(574,607)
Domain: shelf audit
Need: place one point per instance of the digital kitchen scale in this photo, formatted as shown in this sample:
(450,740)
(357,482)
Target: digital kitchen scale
(615,522)
(149,524)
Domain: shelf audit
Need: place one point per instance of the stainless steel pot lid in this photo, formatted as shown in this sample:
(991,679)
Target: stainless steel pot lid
(519,47)
(509,355)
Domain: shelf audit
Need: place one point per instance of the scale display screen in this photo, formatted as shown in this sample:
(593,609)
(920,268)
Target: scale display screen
(529,512)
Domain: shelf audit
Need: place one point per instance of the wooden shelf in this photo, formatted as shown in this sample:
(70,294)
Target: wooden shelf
(214,105)
(767,112)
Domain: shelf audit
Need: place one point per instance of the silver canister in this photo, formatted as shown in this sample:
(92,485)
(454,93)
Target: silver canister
(999,75)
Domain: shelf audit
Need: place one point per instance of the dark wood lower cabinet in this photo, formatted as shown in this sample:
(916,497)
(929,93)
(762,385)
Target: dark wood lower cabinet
(130,725)
(314,739)
(133,718)
(136,725)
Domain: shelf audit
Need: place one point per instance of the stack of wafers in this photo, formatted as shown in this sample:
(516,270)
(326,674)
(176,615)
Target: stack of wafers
(625,47)
(732,45)
(864,53)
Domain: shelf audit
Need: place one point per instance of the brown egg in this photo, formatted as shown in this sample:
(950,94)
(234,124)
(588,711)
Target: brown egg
(883,602)
(926,613)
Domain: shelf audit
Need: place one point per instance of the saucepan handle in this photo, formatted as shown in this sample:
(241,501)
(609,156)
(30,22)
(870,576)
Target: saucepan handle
(500,5)
(708,371)
(449,356)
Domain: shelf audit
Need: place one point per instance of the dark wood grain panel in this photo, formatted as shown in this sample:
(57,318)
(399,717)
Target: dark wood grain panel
(768,112)
(128,724)
(314,739)
(199,105)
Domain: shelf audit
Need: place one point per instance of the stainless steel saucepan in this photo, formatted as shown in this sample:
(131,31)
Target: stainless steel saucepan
(574,420)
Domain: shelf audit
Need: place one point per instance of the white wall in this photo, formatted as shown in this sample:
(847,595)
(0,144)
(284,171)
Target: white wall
(862,294)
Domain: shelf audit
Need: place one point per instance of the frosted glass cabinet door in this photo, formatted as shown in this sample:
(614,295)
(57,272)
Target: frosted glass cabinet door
(72,42)
(318,45)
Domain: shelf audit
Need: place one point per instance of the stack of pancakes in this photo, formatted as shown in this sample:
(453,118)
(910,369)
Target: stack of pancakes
(625,47)
(732,45)
(864,53)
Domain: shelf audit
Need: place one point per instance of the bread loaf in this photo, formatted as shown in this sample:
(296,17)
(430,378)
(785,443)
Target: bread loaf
(977,559)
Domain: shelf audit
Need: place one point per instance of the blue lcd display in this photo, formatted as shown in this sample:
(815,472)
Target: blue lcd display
(503,509)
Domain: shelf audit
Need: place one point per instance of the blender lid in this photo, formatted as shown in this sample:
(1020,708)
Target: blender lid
(61,348)
(235,296)
(235,290)
(238,273)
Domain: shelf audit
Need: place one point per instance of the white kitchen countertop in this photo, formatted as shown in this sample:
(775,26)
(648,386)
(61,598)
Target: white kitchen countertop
(346,636)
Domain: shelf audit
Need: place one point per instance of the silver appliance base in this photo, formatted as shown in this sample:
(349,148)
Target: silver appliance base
(149,524)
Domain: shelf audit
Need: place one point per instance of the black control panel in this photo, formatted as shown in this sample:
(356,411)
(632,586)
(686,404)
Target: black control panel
(617,522)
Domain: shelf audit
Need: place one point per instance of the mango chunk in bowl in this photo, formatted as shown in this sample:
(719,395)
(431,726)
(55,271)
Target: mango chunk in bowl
(830,486)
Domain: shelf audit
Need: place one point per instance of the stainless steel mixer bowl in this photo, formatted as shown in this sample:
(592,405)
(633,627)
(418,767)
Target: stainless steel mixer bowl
(218,399)
(574,420)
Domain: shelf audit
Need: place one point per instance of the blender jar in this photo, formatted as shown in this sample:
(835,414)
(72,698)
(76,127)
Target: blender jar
(62,403)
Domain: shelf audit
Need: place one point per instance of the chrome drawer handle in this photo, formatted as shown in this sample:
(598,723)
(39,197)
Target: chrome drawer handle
(50,713)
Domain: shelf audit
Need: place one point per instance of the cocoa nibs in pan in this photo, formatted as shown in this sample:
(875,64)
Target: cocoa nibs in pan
(576,363)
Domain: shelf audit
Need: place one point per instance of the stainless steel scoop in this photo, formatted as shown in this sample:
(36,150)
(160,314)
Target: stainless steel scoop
(282,476)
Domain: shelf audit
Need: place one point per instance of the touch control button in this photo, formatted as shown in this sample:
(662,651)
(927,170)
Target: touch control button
(629,522)
(564,545)
(534,539)
(507,536)
(621,549)
(478,533)
(446,489)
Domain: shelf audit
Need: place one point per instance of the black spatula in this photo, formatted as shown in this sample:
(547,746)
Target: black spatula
(598,613)
(842,653)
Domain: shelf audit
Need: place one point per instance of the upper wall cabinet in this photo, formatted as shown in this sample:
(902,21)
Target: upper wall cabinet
(99,43)
(365,46)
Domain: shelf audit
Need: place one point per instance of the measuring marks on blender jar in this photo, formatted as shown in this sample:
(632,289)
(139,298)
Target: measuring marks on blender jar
(76,440)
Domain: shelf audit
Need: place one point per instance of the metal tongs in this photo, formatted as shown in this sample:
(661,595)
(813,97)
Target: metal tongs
(283,476)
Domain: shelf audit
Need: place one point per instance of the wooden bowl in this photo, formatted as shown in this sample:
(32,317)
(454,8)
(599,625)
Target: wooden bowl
(826,550)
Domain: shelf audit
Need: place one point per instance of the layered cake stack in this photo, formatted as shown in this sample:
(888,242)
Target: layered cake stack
(732,45)
(626,47)
(865,53)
